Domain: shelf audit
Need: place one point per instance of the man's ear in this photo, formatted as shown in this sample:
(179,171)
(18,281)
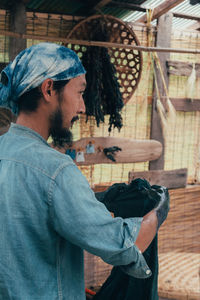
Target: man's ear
(47,89)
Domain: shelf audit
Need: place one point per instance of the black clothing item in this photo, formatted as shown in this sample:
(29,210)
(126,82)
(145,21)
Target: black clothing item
(133,200)
(162,208)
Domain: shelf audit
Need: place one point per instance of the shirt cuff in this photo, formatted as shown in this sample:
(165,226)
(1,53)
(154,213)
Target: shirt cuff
(139,268)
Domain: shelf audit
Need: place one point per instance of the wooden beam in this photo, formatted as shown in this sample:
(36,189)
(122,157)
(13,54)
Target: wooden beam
(172,179)
(98,44)
(18,25)
(181,104)
(163,39)
(186,105)
(161,10)
(180,68)
(128,6)
(195,26)
(38,15)
(188,17)
(101,4)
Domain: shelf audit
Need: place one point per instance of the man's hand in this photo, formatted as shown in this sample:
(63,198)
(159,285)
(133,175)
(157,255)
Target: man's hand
(162,207)
(153,220)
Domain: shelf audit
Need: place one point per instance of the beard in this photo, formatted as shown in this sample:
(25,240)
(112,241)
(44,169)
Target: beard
(61,136)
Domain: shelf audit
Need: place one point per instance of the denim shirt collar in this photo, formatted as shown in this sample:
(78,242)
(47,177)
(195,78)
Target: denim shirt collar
(26,131)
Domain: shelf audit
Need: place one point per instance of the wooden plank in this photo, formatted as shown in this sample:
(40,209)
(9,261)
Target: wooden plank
(181,104)
(194,26)
(163,40)
(101,4)
(160,10)
(128,6)
(186,105)
(18,25)
(131,150)
(184,16)
(181,68)
(172,179)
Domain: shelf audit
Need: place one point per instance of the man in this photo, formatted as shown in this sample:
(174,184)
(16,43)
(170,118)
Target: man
(48,213)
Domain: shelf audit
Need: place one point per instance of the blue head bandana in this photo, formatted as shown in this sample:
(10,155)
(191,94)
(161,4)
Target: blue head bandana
(32,66)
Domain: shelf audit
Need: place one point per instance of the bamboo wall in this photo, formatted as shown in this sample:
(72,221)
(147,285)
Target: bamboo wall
(180,233)
(182,145)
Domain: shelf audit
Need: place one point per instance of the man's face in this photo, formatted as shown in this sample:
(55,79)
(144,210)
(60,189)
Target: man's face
(72,103)
(69,105)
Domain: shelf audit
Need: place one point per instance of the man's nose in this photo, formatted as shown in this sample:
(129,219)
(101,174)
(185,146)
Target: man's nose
(82,106)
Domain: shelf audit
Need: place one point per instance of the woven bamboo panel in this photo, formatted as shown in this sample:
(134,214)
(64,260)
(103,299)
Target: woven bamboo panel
(180,232)
(49,24)
(128,62)
(179,276)
(179,247)
(96,270)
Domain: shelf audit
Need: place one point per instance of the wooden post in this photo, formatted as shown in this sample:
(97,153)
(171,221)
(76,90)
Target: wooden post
(163,40)
(18,24)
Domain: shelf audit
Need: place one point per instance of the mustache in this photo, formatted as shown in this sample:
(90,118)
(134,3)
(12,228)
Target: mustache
(74,119)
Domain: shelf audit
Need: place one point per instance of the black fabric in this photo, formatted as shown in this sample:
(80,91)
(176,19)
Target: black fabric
(133,200)
(162,207)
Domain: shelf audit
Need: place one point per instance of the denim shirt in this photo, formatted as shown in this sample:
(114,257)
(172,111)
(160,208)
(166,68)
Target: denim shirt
(48,215)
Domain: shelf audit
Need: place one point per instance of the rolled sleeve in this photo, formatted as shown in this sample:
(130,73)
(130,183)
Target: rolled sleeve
(135,224)
(82,220)
(139,267)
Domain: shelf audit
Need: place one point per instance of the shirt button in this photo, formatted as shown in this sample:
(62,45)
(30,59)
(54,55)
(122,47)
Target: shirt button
(148,272)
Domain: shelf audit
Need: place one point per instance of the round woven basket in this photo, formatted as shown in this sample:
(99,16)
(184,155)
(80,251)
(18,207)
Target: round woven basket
(128,62)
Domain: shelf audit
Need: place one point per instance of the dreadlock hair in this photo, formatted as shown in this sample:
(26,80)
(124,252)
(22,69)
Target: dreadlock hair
(29,101)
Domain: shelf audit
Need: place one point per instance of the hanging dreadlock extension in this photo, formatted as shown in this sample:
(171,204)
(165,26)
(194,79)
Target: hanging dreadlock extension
(112,103)
(102,96)
(92,95)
